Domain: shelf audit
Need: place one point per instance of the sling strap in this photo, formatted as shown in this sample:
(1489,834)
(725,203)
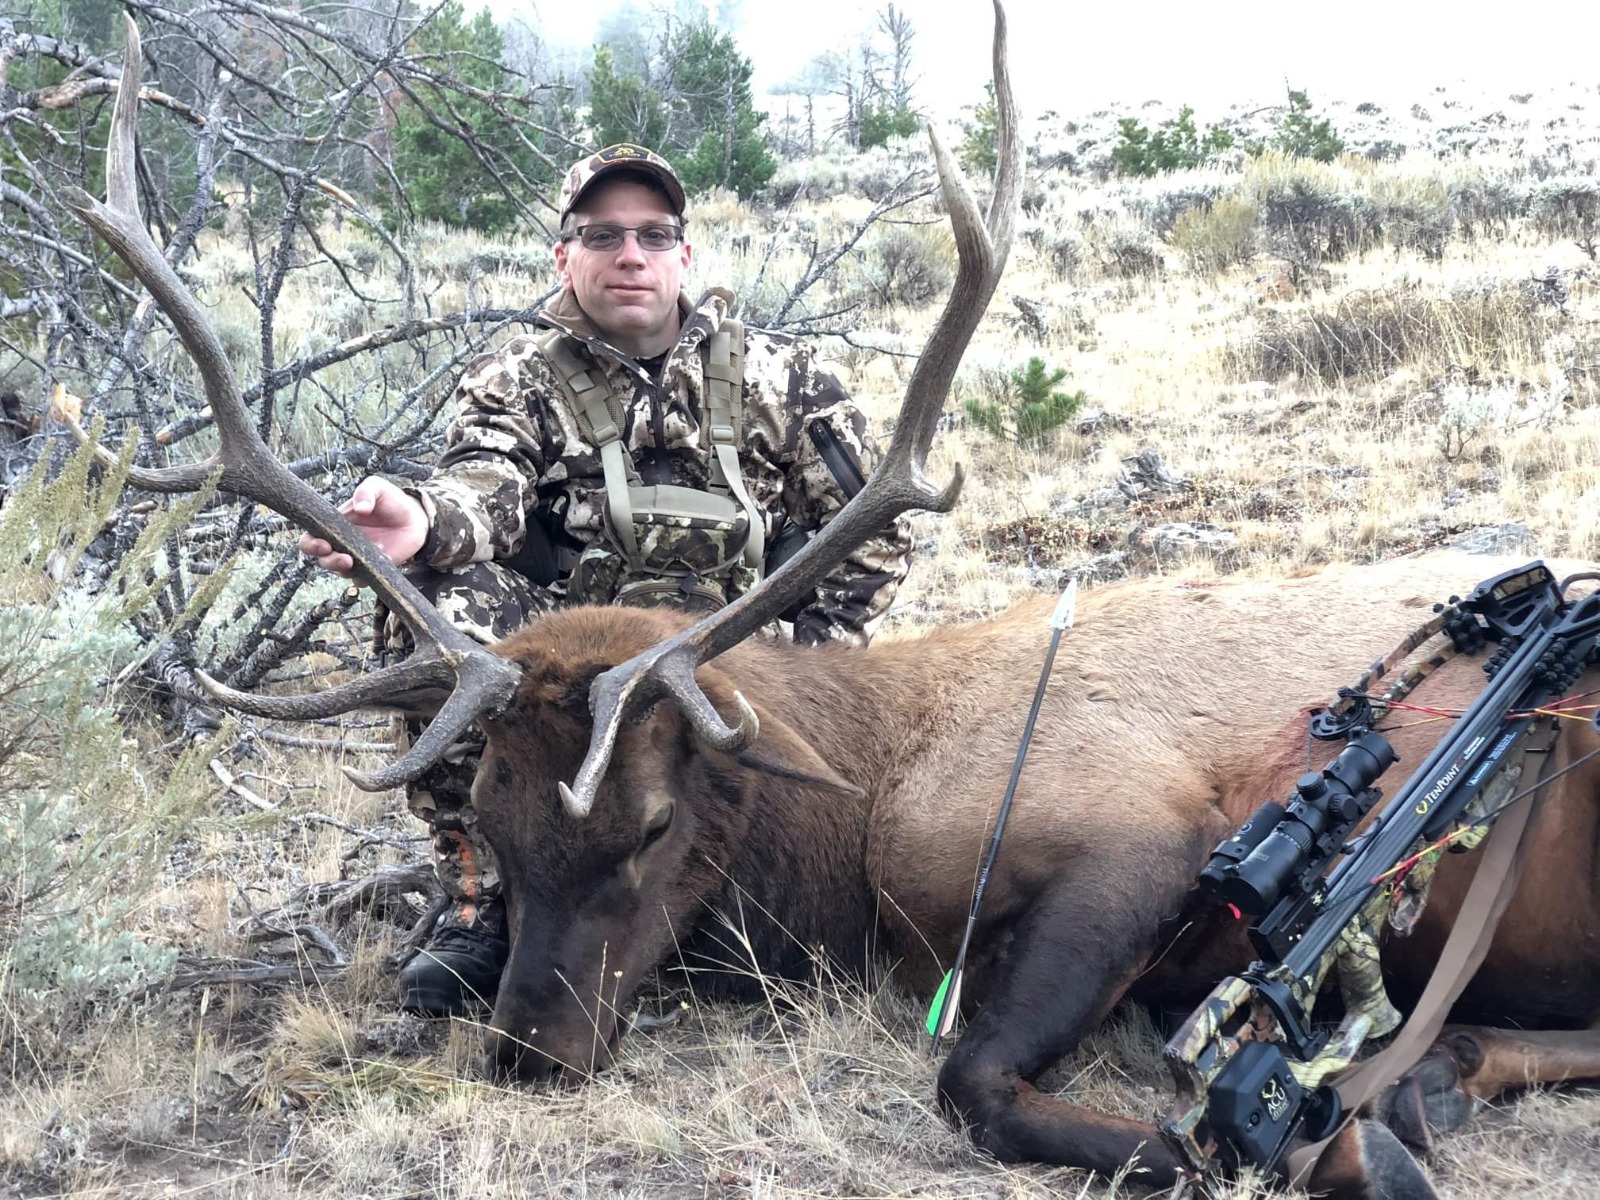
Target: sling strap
(724,410)
(599,410)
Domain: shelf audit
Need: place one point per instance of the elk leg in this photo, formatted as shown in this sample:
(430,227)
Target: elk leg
(1367,1161)
(1470,1064)
(1073,955)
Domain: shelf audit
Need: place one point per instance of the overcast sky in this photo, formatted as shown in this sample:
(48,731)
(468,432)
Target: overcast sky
(1076,58)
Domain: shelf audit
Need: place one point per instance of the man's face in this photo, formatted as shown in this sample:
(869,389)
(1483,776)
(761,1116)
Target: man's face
(631,294)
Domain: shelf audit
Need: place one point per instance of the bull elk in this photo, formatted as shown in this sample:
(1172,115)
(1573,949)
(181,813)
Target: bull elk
(837,800)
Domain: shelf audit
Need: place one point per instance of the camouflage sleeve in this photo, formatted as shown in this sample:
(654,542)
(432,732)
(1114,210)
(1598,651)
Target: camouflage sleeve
(852,599)
(477,497)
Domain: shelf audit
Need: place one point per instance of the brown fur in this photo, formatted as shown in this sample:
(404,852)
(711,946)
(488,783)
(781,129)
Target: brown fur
(854,825)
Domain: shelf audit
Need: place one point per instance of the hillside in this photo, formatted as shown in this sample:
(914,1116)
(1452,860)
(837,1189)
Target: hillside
(1285,363)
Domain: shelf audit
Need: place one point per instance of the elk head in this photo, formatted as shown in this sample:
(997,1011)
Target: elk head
(599,873)
(597,902)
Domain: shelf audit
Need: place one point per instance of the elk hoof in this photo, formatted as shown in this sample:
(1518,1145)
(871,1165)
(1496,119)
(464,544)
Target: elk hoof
(1429,1099)
(1366,1161)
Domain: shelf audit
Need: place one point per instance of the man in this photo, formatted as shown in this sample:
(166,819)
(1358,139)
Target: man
(642,449)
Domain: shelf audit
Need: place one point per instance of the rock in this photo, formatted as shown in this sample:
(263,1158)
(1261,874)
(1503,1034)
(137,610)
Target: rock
(1096,424)
(1145,473)
(1097,504)
(1101,568)
(1182,540)
(1044,579)
(1511,538)
(1256,389)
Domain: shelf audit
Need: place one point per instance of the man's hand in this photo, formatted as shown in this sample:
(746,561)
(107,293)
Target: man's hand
(394,521)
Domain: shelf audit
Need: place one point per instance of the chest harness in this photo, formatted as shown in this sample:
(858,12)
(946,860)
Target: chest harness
(671,535)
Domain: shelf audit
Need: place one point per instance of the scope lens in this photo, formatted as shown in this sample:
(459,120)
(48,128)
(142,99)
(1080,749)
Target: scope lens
(1262,877)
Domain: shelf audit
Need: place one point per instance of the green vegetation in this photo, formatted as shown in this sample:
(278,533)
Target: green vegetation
(447,178)
(1025,407)
(1301,135)
(979,150)
(881,122)
(1217,236)
(694,106)
(1178,146)
(623,107)
(84,826)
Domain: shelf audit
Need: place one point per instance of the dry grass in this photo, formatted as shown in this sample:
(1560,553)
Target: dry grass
(1445,421)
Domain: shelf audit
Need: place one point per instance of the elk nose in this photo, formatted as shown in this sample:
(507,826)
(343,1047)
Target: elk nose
(511,1059)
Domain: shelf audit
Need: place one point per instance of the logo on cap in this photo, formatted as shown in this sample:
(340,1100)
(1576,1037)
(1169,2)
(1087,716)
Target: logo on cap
(623,150)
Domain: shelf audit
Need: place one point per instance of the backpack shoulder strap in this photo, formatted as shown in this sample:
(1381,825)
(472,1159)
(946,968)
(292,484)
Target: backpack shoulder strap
(599,416)
(725,428)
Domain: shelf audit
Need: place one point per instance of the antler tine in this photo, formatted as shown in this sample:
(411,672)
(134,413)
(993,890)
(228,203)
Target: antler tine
(483,681)
(983,246)
(897,486)
(391,686)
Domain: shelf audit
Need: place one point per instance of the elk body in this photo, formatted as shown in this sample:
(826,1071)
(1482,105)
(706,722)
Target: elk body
(645,812)
(854,823)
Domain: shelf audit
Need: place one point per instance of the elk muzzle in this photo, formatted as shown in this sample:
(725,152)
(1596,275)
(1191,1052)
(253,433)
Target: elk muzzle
(517,1051)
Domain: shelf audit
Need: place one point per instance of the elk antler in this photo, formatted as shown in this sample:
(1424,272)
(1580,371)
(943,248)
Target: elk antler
(445,659)
(897,486)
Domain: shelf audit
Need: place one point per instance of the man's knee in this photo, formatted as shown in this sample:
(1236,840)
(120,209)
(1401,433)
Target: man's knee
(487,601)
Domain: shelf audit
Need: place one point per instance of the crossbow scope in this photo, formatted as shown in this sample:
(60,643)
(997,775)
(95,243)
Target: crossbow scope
(1283,847)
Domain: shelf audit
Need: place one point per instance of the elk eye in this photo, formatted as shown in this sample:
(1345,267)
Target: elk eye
(659,826)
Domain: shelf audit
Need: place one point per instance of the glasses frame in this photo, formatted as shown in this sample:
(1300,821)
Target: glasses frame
(580,235)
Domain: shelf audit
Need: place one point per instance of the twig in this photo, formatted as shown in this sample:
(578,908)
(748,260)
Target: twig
(237,971)
(231,784)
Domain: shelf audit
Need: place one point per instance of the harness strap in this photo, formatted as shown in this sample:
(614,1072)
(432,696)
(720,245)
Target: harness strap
(600,419)
(724,381)
(600,412)
(1487,897)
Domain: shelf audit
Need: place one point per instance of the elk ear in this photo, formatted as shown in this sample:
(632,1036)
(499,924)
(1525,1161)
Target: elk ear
(778,749)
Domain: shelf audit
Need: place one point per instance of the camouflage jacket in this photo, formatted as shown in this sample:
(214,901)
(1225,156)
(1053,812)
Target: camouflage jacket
(516,452)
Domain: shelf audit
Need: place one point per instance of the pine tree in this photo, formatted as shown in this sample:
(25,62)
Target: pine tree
(1029,408)
(693,105)
(1178,147)
(979,151)
(622,108)
(880,122)
(445,179)
(1300,134)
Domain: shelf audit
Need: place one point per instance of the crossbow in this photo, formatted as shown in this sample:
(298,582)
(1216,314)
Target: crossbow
(1319,879)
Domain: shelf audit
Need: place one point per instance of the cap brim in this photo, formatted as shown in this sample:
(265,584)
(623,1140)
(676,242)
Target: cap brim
(668,180)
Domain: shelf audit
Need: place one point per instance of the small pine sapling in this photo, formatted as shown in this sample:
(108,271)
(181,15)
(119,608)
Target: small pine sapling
(1028,408)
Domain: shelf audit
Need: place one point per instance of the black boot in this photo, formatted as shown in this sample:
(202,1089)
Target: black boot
(458,971)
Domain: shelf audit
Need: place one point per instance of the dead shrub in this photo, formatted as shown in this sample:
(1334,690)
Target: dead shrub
(1306,213)
(909,265)
(1372,333)
(1168,208)
(1413,214)
(1569,207)
(1486,207)
(1215,238)
(1058,247)
(1129,252)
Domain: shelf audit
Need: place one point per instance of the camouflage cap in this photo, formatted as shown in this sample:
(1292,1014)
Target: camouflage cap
(624,156)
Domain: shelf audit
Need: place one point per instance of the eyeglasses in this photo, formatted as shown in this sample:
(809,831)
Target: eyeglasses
(609,238)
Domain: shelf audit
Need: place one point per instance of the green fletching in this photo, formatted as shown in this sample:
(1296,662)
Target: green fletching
(936,1009)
